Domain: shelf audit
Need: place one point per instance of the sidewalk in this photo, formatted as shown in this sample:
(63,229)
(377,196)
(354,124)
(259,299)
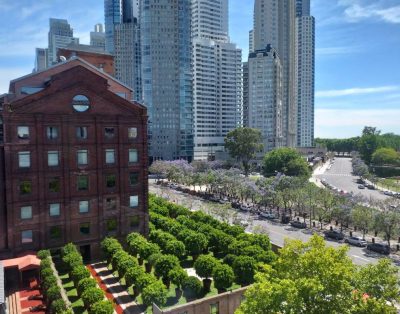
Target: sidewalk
(114,290)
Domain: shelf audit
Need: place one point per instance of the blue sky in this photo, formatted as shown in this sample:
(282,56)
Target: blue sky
(357,53)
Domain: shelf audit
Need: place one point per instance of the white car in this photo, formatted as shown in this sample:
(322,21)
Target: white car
(356,241)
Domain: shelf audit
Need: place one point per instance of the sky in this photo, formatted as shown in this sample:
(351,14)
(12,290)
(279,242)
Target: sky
(357,53)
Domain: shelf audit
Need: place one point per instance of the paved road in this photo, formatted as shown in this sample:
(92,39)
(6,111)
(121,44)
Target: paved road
(340,176)
(277,232)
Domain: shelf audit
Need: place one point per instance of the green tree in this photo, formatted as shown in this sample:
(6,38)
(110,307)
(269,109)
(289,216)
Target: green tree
(287,161)
(154,293)
(195,243)
(244,268)
(223,276)
(243,144)
(176,248)
(85,284)
(363,218)
(388,222)
(92,296)
(204,267)
(192,287)
(178,275)
(369,143)
(102,307)
(164,265)
(385,156)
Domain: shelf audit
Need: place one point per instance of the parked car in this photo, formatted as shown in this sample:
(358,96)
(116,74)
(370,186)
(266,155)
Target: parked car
(269,216)
(361,187)
(370,187)
(334,234)
(356,241)
(298,224)
(379,248)
(245,208)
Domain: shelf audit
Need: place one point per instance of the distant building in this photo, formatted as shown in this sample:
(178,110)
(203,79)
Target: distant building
(98,37)
(265,98)
(40,59)
(91,54)
(73,161)
(167,77)
(60,35)
(217,78)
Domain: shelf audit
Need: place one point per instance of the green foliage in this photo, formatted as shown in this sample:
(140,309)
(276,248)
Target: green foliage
(49,281)
(205,265)
(78,273)
(132,275)
(243,144)
(144,280)
(53,293)
(369,143)
(285,160)
(192,287)
(135,242)
(223,276)
(68,248)
(110,246)
(244,268)
(229,259)
(102,307)
(72,259)
(165,264)
(85,284)
(148,249)
(385,156)
(195,243)
(43,254)
(154,293)
(178,275)
(58,306)
(176,248)
(91,296)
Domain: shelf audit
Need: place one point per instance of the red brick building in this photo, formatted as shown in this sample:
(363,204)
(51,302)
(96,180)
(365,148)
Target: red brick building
(73,160)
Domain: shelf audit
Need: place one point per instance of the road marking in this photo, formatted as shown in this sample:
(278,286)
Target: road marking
(359,257)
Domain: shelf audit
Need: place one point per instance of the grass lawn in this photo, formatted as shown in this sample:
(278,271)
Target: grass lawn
(390,184)
(76,302)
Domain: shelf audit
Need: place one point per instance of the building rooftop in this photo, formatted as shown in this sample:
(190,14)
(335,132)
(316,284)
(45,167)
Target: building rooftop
(86,48)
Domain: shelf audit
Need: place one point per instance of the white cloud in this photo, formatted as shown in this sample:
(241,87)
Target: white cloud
(356,11)
(340,50)
(339,123)
(355,91)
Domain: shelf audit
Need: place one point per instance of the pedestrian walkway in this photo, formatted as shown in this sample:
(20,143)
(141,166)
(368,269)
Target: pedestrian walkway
(114,290)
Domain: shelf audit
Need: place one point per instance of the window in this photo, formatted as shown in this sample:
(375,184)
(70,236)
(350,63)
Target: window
(83,207)
(133,178)
(52,158)
(54,185)
(110,180)
(26,212)
(25,187)
(134,221)
(55,232)
(111,203)
(23,132)
(133,155)
(52,132)
(84,228)
(133,201)
(24,159)
(83,183)
(54,210)
(109,132)
(80,103)
(82,157)
(214,308)
(110,156)
(81,132)
(111,224)
(27,236)
(132,133)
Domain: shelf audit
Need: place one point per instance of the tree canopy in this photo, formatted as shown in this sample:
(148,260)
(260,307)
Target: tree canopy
(313,278)
(285,160)
(386,156)
(243,144)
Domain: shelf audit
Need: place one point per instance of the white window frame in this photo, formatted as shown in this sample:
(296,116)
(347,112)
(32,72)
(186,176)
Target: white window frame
(53,162)
(24,159)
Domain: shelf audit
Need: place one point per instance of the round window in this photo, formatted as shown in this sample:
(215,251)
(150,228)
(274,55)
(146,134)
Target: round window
(80,103)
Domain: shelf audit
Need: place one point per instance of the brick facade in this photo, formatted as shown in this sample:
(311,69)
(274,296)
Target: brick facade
(108,122)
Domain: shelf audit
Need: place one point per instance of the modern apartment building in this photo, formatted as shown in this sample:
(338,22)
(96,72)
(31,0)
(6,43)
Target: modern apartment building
(60,35)
(98,37)
(305,71)
(217,85)
(274,25)
(73,160)
(265,111)
(167,77)
(123,42)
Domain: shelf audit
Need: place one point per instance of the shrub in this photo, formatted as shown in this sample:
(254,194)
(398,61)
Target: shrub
(132,275)
(219,241)
(176,248)
(46,272)
(153,258)
(223,276)
(178,275)
(43,254)
(91,296)
(126,264)
(244,268)
(85,284)
(154,293)
(165,264)
(45,264)
(192,287)
(68,248)
(204,265)
(59,307)
(144,280)
(195,243)
(78,273)
(49,281)
(102,307)
(237,247)
(229,259)
(118,258)
(148,249)
(135,244)
(110,246)
(53,293)
(72,260)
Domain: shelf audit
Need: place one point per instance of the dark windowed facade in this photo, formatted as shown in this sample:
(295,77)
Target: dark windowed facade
(87,177)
